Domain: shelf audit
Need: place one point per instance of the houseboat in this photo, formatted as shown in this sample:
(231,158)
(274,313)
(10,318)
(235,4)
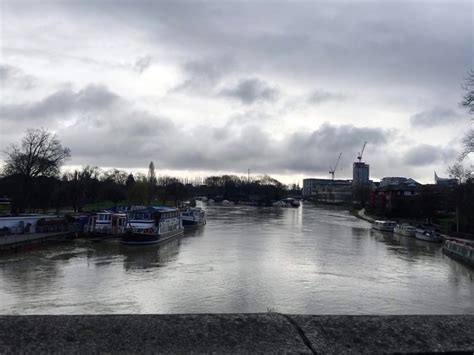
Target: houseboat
(405,229)
(429,235)
(193,217)
(460,249)
(384,226)
(152,225)
(105,225)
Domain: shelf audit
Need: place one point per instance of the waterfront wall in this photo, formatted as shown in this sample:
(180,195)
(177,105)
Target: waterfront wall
(237,333)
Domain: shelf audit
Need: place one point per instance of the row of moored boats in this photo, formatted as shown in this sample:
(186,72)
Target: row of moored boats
(425,233)
(143,226)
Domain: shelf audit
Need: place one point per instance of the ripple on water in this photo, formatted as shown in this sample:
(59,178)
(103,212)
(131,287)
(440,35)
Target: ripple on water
(246,259)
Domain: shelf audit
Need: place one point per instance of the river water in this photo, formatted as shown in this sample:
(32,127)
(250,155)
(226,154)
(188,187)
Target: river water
(310,260)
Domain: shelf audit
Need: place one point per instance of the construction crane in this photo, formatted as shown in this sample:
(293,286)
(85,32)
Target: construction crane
(359,156)
(331,170)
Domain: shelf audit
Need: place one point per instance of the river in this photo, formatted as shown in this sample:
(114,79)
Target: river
(310,260)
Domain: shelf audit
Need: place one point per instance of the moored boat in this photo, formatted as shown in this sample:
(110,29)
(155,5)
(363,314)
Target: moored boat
(287,202)
(193,217)
(384,226)
(461,250)
(152,225)
(429,235)
(405,229)
(105,225)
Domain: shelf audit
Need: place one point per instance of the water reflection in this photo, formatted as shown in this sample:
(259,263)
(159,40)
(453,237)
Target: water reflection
(152,256)
(407,247)
(311,259)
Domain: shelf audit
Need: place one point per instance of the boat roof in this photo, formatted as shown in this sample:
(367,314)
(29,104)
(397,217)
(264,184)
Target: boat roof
(156,209)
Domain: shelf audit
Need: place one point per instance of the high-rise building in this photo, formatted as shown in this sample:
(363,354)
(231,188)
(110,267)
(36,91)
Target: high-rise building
(360,173)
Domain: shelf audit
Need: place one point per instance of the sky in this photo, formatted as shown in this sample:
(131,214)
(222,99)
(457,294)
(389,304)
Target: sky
(213,87)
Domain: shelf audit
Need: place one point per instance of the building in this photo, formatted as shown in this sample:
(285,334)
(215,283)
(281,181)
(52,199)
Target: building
(397,180)
(328,190)
(360,173)
(395,194)
(445,181)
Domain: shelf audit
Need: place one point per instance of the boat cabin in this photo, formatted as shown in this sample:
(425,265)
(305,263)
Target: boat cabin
(108,222)
(154,219)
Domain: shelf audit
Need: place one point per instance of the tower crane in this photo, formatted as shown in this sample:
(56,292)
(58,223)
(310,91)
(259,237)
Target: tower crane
(331,170)
(359,156)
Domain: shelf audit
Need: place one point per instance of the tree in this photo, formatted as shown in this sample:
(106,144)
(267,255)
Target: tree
(39,155)
(459,172)
(468,103)
(151,183)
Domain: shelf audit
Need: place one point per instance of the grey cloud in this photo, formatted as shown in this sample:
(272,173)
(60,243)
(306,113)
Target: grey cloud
(11,76)
(426,154)
(205,73)
(322,96)
(372,41)
(251,90)
(62,102)
(316,151)
(122,136)
(437,116)
(118,134)
(143,63)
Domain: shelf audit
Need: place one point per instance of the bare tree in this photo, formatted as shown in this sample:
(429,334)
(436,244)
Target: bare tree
(40,154)
(468,103)
(468,98)
(459,172)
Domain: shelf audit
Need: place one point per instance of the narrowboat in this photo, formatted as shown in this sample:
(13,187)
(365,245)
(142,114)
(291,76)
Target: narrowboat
(193,217)
(384,226)
(460,250)
(405,229)
(152,225)
(105,225)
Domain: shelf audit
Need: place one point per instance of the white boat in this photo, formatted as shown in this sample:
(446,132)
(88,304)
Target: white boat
(428,235)
(384,226)
(152,225)
(287,202)
(193,217)
(104,225)
(291,202)
(405,229)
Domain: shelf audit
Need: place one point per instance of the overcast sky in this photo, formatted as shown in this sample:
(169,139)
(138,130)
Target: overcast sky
(211,87)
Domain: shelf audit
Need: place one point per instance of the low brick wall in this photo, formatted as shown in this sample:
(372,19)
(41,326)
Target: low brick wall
(236,333)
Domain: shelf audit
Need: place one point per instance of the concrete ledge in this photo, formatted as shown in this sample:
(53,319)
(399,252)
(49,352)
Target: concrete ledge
(236,333)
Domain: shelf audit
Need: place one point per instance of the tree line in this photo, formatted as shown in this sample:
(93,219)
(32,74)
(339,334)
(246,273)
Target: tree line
(31,178)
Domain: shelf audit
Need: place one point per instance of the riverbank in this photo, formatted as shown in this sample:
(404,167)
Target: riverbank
(236,333)
(361,214)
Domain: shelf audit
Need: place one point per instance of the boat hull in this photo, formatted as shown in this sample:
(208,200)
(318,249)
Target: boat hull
(136,239)
(193,224)
(382,228)
(97,237)
(405,233)
(459,251)
(428,237)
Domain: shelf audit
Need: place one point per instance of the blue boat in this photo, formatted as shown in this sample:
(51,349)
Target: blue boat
(152,225)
